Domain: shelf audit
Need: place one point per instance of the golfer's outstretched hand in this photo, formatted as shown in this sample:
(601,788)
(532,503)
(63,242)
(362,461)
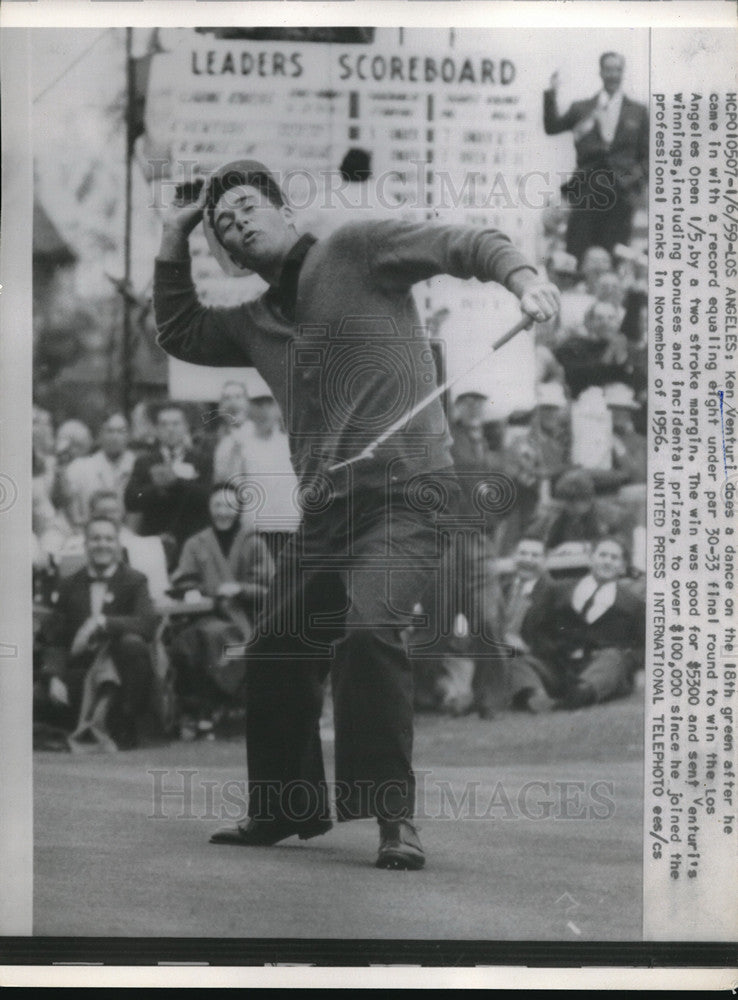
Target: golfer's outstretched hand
(540,300)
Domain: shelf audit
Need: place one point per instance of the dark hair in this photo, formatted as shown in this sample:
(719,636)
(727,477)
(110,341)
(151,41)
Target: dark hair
(611,55)
(614,540)
(262,180)
(102,517)
(223,485)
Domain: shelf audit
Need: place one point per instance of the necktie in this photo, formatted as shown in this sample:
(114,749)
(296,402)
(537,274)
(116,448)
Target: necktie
(590,601)
(514,608)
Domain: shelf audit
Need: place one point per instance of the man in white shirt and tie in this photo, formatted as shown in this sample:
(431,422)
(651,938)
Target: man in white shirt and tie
(611,141)
(96,644)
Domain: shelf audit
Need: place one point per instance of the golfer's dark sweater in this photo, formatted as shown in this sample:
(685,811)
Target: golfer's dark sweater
(354,358)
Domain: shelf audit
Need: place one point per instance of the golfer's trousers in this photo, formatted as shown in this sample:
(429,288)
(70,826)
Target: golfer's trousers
(341,599)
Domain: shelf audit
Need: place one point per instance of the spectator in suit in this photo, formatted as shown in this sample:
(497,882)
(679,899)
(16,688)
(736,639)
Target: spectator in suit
(529,586)
(144,554)
(97,644)
(229,562)
(611,141)
(168,487)
(109,468)
(590,634)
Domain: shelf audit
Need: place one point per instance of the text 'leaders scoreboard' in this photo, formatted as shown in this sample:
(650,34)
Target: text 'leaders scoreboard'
(448,133)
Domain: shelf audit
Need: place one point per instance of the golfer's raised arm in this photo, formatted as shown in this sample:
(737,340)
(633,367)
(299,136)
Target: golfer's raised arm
(187,329)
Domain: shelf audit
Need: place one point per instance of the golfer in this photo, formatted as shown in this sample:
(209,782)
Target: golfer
(337,338)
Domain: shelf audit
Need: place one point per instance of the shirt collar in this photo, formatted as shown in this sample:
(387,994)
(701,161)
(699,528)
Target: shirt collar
(105,575)
(604,99)
(526,584)
(285,293)
(605,597)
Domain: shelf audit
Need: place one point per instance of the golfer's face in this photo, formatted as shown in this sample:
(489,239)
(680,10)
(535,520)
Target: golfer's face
(250,227)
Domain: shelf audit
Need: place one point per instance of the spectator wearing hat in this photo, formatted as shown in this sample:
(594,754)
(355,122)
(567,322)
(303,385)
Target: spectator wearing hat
(108,468)
(589,634)
(574,515)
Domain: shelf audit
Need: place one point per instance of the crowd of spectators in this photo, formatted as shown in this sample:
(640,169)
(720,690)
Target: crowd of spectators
(153,550)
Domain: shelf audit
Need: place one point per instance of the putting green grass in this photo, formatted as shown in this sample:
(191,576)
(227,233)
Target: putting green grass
(521,844)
